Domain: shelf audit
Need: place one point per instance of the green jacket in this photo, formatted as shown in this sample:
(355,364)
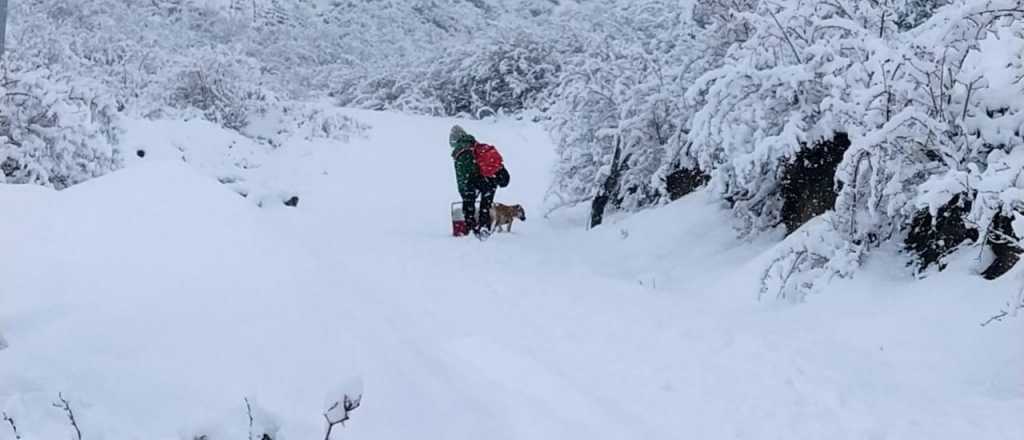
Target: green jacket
(465,165)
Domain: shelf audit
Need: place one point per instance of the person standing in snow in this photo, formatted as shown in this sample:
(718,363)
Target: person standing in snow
(479,171)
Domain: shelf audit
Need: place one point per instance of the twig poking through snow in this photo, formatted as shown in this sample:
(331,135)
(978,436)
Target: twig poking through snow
(14,427)
(343,409)
(1002,314)
(248,410)
(64,405)
(1011,309)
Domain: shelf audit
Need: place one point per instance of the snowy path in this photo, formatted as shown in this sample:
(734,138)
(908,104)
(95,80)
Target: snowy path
(159,300)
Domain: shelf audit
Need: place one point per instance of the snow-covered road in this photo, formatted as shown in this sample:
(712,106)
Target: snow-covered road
(156,300)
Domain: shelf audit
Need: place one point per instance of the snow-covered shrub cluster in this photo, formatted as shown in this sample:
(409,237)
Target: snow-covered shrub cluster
(619,110)
(74,69)
(815,253)
(245,65)
(55,130)
(926,95)
(215,87)
(501,70)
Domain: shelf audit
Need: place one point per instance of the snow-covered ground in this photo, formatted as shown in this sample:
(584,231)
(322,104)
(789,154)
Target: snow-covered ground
(156,300)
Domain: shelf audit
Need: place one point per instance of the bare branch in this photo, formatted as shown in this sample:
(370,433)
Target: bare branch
(999,317)
(66,407)
(786,36)
(14,427)
(248,410)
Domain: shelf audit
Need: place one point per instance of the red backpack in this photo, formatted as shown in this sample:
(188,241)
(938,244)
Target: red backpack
(488,159)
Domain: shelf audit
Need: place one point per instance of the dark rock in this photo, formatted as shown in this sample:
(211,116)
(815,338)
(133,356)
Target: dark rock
(292,202)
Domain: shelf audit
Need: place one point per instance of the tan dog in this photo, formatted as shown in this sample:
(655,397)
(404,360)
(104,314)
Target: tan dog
(504,215)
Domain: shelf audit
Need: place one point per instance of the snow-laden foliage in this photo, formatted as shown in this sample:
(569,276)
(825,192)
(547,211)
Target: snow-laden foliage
(145,51)
(505,75)
(215,86)
(54,130)
(618,112)
(75,67)
(927,92)
(993,119)
(808,259)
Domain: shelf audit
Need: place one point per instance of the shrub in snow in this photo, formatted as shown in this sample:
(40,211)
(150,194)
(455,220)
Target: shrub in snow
(326,124)
(975,81)
(808,260)
(494,74)
(402,91)
(504,75)
(924,110)
(215,86)
(55,131)
(615,118)
(787,88)
(623,91)
(278,121)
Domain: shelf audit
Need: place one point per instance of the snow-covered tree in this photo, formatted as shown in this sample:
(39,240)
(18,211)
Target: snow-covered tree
(618,113)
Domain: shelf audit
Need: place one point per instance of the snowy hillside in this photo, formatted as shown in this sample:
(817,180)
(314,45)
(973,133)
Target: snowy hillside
(160,304)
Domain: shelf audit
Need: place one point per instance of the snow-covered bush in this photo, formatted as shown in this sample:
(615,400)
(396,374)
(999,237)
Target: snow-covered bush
(389,90)
(496,74)
(789,87)
(926,92)
(504,75)
(587,122)
(286,120)
(809,259)
(55,131)
(618,114)
(215,86)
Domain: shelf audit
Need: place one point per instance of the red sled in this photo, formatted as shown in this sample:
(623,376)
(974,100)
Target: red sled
(459,226)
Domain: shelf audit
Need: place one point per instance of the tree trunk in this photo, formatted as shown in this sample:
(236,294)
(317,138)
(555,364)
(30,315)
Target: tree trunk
(608,189)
